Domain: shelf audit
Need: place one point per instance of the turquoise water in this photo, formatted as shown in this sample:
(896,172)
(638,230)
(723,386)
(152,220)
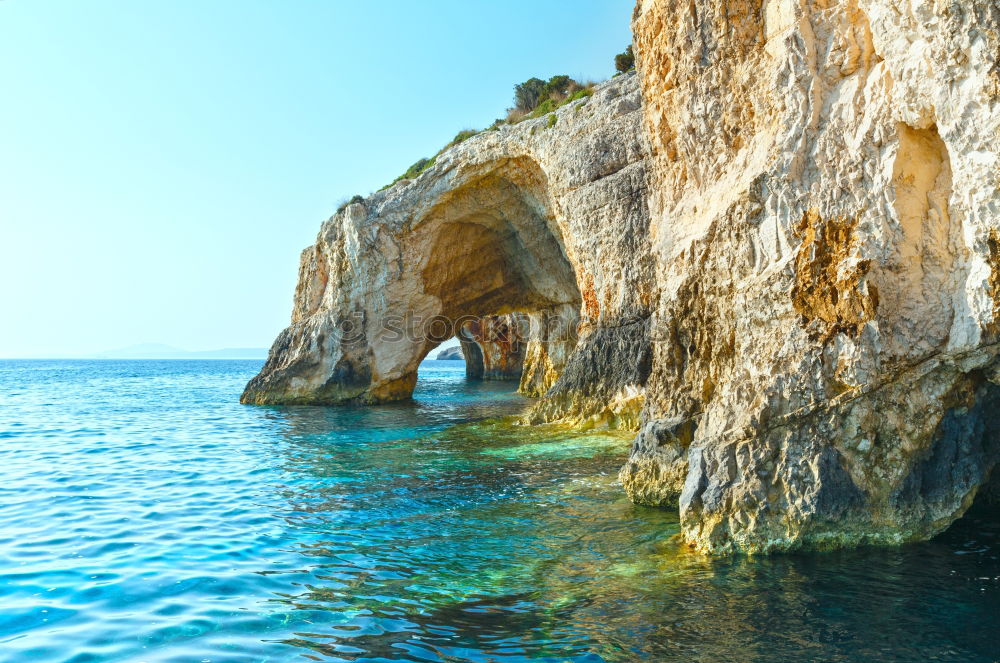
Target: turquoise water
(146,516)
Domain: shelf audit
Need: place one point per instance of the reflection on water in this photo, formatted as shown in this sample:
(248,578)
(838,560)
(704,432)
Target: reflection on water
(146,516)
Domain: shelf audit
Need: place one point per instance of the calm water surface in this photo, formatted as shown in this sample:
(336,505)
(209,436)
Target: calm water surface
(146,516)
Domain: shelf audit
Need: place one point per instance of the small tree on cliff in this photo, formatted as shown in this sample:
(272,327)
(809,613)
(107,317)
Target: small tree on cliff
(534,92)
(528,94)
(625,61)
(557,86)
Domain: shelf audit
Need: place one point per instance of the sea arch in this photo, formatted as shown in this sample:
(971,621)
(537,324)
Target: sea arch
(546,219)
(386,288)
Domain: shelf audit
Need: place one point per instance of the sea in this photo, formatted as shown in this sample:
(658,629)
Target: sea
(145,515)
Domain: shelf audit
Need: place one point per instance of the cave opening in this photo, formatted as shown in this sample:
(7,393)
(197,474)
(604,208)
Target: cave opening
(470,373)
(979,526)
(489,348)
(497,271)
(983,515)
(965,462)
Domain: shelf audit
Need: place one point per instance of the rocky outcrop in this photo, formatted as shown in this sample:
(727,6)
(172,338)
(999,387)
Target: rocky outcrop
(546,219)
(783,270)
(494,346)
(824,215)
(451,354)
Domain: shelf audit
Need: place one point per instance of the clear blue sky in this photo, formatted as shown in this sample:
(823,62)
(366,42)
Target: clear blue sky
(162,164)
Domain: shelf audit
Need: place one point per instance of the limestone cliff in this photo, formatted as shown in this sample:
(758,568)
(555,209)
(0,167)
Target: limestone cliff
(546,218)
(780,241)
(824,216)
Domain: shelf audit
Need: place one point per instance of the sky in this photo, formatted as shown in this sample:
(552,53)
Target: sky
(163,163)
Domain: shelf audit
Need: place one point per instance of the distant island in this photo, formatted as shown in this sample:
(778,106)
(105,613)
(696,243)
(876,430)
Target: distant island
(162,351)
(452,354)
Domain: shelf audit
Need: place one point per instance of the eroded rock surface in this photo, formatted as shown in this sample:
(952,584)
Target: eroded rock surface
(783,270)
(546,219)
(824,212)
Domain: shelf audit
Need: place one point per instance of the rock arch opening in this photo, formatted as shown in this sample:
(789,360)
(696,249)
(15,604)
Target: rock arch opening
(491,349)
(494,346)
(498,274)
(475,253)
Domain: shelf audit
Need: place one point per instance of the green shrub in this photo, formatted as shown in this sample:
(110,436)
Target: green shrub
(533,99)
(354,199)
(461,136)
(536,97)
(413,171)
(544,108)
(551,104)
(557,86)
(418,167)
(528,93)
(625,61)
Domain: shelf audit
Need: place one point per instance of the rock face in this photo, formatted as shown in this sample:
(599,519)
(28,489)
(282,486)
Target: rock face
(494,346)
(546,219)
(825,220)
(451,354)
(782,268)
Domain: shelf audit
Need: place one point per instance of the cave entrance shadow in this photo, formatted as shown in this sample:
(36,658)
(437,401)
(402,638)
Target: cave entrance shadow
(494,270)
(446,388)
(980,524)
(488,360)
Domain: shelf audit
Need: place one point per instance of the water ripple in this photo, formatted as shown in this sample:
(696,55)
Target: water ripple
(147,516)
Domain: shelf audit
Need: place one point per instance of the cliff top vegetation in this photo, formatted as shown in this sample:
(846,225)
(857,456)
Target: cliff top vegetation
(532,99)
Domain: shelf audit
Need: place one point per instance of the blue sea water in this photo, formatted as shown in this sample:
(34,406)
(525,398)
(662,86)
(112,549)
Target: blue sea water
(145,515)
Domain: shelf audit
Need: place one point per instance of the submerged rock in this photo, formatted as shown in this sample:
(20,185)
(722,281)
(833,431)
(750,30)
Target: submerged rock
(780,264)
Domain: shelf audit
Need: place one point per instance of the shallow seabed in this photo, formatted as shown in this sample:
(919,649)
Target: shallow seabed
(146,516)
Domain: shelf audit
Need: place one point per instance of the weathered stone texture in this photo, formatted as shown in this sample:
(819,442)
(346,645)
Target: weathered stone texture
(783,269)
(530,220)
(824,198)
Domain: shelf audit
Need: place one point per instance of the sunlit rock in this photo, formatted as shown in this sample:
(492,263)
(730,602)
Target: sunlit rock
(824,215)
(545,219)
(783,270)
